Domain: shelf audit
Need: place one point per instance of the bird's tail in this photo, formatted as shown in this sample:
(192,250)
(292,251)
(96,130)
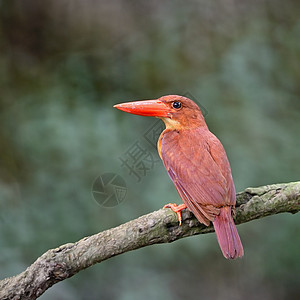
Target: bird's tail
(227,234)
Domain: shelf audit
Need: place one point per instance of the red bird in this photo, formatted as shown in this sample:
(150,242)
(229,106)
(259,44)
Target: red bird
(197,164)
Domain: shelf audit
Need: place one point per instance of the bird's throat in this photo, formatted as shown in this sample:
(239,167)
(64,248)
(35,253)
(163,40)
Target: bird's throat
(172,124)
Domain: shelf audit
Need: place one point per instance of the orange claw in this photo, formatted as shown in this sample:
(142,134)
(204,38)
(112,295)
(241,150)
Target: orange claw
(177,209)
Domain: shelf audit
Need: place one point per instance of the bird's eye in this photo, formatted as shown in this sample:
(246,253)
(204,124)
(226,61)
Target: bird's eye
(176,104)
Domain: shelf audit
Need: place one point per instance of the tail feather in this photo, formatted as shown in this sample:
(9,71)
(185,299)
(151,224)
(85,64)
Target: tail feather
(227,234)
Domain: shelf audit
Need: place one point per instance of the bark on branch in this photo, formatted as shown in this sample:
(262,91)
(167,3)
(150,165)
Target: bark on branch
(157,227)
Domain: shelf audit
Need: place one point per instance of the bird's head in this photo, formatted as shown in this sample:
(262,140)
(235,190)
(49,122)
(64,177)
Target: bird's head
(177,112)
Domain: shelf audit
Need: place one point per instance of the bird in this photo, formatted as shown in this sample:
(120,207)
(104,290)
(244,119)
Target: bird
(197,164)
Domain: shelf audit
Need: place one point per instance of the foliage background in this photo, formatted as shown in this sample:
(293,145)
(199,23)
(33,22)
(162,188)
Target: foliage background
(63,64)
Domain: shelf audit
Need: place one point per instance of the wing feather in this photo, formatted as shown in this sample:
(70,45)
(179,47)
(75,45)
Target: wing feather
(197,164)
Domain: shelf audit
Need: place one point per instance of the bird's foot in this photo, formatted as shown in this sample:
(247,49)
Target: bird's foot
(177,209)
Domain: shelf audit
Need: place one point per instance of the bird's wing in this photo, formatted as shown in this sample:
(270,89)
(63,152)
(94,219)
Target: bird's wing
(197,164)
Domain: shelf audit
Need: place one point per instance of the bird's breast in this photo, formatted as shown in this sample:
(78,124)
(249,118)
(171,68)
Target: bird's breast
(164,134)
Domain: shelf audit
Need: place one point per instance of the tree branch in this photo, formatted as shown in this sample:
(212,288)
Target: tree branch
(157,227)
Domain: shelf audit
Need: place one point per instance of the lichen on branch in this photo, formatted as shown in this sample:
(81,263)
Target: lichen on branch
(157,227)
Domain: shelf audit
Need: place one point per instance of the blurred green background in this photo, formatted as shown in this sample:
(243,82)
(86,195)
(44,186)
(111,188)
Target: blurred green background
(64,64)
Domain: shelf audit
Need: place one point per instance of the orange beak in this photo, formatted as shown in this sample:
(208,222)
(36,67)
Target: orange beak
(149,108)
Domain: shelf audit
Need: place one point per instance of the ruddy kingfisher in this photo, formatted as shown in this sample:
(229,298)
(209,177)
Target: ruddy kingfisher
(197,164)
